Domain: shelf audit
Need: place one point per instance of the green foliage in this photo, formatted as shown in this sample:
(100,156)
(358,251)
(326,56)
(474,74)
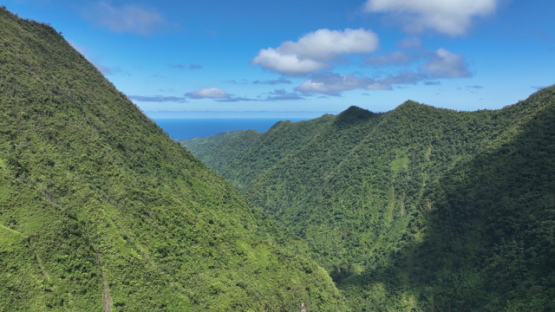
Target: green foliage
(220,148)
(99,207)
(244,157)
(419,208)
(493,219)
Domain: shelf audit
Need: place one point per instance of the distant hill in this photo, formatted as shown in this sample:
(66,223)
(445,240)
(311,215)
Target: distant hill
(419,208)
(101,211)
(219,148)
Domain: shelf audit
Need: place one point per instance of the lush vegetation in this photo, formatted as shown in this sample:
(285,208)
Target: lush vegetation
(220,148)
(416,209)
(101,211)
(419,208)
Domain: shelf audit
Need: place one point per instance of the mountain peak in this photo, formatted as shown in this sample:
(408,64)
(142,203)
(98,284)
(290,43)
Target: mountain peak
(353,115)
(412,105)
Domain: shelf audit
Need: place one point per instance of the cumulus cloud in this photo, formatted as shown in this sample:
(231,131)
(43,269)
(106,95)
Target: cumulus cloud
(315,51)
(325,44)
(334,84)
(208,93)
(445,64)
(287,64)
(440,64)
(129,18)
(452,17)
(157,98)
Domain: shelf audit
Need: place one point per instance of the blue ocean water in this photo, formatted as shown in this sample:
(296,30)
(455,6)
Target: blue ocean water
(203,127)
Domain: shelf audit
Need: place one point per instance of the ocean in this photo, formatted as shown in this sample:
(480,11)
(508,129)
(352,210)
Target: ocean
(203,127)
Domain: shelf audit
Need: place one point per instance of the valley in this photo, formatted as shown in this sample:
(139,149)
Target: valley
(414,209)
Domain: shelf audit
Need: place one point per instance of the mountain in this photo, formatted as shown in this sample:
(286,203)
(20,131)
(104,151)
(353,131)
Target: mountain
(419,208)
(219,148)
(101,211)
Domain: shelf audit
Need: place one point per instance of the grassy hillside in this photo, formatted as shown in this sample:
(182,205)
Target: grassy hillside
(381,199)
(101,211)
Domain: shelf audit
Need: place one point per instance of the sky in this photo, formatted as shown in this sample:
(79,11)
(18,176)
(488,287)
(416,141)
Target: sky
(290,59)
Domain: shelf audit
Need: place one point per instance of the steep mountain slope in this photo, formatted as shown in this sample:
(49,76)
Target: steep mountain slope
(480,238)
(101,211)
(243,158)
(374,197)
(220,148)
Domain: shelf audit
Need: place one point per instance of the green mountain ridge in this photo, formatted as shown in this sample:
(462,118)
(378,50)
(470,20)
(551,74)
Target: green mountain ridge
(416,209)
(380,200)
(101,211)
(222,146)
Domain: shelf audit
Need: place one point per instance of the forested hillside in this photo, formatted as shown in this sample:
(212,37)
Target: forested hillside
(417,208)
(101,211)
(218,149)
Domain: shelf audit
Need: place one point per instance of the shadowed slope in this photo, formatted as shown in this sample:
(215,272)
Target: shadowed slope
(482,236)
(361,189)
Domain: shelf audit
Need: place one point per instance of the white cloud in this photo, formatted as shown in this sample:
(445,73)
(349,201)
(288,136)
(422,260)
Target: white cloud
(315,51)
(128,18)
(325,44)
(440,64)
(208,93)
(334,84)
(287,64)
(445,64)
(452,17)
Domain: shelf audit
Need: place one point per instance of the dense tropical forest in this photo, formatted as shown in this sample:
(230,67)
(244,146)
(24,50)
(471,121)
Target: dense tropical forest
(416,209)
(101,211)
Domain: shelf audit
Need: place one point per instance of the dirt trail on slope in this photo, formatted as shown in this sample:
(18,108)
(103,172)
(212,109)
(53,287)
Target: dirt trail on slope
(106,300)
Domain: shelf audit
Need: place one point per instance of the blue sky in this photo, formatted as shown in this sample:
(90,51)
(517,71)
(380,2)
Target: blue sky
(292,59)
